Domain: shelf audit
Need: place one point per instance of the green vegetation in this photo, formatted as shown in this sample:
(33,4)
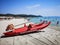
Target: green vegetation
(20,15)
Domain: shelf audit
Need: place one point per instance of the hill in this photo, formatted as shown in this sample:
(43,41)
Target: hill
(20,15)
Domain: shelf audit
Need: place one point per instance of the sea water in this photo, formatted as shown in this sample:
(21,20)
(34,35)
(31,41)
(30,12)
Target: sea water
(53,19)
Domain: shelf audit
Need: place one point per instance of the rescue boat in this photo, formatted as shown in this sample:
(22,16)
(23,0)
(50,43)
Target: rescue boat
(27,29)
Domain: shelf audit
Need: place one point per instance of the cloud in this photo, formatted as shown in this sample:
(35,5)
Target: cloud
(33,6)
(44,11)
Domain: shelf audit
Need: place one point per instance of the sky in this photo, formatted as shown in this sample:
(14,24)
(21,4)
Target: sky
(35,7)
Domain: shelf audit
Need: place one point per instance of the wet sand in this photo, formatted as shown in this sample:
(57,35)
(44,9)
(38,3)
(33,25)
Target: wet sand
(57,28)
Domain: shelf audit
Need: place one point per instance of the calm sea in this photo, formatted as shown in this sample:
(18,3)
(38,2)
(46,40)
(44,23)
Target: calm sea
(53,19)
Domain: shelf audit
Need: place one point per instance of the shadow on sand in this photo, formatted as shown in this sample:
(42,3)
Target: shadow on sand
(22,34)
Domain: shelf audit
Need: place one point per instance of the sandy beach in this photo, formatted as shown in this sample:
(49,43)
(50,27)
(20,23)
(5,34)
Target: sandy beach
(50,36)
(57,28)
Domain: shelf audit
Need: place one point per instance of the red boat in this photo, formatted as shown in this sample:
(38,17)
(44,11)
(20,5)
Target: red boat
(27,29)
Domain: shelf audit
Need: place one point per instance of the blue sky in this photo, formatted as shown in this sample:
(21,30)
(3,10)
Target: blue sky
(37,7)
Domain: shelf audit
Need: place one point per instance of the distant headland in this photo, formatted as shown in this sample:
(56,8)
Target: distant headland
(20,15)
